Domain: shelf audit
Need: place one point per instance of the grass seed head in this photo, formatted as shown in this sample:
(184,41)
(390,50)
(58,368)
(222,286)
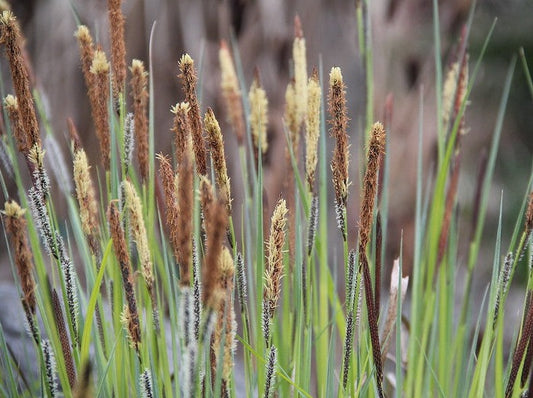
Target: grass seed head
(139,92)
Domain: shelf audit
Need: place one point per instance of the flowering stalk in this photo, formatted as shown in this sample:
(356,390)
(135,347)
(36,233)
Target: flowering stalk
(139,92)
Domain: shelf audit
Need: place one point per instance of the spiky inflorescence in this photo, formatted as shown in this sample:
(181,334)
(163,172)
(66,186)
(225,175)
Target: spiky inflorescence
(231,92)
(63,338)
(181,129)
(118,45)
(145,383)
(100,72)
(16,228)
(300,72)
(339,124)
(291,115)
(448,94)
(216,229)
(258,115)
(185,206)
(86,196)
(312,128)
(130,314)
(529,215)
(274,265)
(216,144)
(270,372)
(138,228)
(86,45)
(172,216)
(49,367)
(40,177)
(129,140)
(503,285)
(370,184)
(139,92)
(17,127)
(189,79)
(241,281)
(10,37)
(225,324)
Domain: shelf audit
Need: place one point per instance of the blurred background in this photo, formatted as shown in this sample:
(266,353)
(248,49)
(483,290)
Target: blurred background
(402,39)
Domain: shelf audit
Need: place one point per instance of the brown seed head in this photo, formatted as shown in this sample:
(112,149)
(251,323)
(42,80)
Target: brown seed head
(10,37)
(339,123)
(188,79)
(274,265)
(118,45)
(231,92)
(139,92)
(529,214)
(86,45)
(181,129)
(17,126)
(167,177)
(16,229)
(100,71)
(370,183)
(216,144)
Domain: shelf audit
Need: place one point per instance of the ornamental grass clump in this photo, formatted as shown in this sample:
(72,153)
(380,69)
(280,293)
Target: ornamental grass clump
(188,273)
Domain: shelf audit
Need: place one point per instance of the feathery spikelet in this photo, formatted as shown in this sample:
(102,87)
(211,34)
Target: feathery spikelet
(312,128)
(129,141)
(216,229)
(291,115)
(10,37)
(196,290)
(17,127)
(241,281)
(448,94)
(40,214)
(139,92)
(270,372)
(529,215)
(63,338)
(181,129)
(172,219)
(350,324)
(185,203)
(49,367)
(145,383)
(16,228)
(118,45)
(100,72)
(86,197)
(138,228)
(339,123)
(274,265)
(216,144)
(503,285)
(69,276)
(460,95)
(300,72)
(130,314)
(313,223)
(231,92)
(40,176)
(258,115)
(225,325)
(189,79)
(84,387)
(86,45)
(375,151)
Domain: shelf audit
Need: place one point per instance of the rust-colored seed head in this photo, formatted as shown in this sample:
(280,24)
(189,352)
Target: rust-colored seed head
(130,314)
(139,92)
(118,45)
(181,129)
(206,198)
(258,115)
(74,136)
(167,178)
(370,184)
(216,230)
(16,228)
(188,78)
(216,144)
(529,214)
(185,205)
(100,71)
(339,123)
(312,128)
(274,265)
(86,45)
(10,37)
(231,92)
(17,126)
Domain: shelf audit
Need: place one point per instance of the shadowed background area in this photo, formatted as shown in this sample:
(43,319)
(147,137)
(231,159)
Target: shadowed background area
(403,51)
